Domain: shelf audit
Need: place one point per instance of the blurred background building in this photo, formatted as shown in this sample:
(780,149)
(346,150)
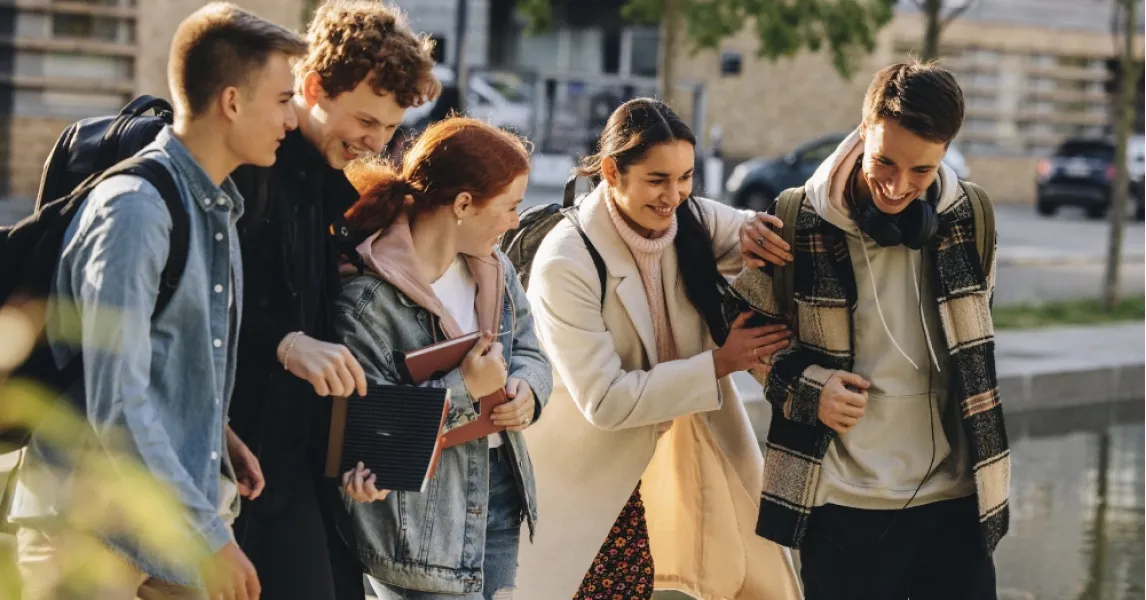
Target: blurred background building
(1034,72)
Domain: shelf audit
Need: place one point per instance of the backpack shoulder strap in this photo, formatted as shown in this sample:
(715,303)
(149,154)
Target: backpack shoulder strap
(783,277)
(572,214)
(159,176)
(984,213)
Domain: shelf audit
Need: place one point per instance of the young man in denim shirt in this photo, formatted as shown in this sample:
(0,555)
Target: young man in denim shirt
(159,387)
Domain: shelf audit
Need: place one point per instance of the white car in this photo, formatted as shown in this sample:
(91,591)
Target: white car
(492,97)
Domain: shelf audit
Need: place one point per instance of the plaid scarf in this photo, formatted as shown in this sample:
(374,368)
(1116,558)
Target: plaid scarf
(825,299)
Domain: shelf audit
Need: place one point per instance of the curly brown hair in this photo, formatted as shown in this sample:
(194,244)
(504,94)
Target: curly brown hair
(366,40)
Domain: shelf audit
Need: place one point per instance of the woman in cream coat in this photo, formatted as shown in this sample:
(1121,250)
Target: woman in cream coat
(644,424)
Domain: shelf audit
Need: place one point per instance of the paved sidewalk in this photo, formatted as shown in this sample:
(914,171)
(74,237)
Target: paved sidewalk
(1039,369)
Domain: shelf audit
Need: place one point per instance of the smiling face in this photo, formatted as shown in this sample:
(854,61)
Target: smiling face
(481,228)
(898,165)
(650,191)
(352,124)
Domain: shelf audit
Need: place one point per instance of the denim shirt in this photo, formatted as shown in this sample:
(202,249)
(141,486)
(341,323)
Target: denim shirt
(162,386)
(435,541)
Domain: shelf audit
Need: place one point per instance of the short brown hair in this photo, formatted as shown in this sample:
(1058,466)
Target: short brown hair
(923,98)
(357,40)
(221,45)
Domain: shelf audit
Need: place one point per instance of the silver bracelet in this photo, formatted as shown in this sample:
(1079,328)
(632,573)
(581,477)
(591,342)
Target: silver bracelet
(290,346)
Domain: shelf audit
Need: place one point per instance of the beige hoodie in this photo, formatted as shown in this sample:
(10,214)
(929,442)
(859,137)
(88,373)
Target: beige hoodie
(909,430)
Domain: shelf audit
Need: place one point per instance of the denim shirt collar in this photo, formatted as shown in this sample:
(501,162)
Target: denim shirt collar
(205,194)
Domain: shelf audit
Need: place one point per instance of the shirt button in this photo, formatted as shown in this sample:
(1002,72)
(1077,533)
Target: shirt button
(218,343)
(218,288)
(214,456)
(218,237)
(216,402)
(221,201)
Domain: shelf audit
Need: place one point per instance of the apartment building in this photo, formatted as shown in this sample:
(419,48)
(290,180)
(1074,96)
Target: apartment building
(1033,72)
(63,60)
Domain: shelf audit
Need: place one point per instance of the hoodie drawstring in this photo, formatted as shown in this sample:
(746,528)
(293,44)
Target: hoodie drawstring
(879,308)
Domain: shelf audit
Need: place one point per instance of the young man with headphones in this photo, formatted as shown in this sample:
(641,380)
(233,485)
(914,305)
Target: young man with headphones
(887,461)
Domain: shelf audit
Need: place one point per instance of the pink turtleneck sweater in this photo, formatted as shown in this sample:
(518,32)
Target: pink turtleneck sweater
(647,252)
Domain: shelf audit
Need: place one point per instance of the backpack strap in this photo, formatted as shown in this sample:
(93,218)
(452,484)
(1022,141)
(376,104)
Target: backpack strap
(180,240)
(573,215)
(783,277)
(984,213)
(158,175)
(570,196)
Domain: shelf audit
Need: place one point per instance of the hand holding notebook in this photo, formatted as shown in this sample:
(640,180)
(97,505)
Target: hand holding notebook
(484,371)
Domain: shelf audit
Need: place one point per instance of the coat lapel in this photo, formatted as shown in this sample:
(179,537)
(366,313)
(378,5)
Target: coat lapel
(619,263)
(689,330)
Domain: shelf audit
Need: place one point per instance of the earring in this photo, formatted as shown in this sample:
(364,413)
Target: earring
(459,222)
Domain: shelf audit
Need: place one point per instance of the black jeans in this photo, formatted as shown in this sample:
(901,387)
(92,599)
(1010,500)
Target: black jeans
(291,537)
(930,552)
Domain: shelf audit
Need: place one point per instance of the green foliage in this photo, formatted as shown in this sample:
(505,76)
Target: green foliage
(846,29)
(1071,312)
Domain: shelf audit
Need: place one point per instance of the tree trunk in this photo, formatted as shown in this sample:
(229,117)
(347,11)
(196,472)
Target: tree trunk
(933,14)
(1125,113)
(670,39)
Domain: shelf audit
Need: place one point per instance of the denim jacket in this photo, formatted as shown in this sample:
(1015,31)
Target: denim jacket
(435,541)
(161,385)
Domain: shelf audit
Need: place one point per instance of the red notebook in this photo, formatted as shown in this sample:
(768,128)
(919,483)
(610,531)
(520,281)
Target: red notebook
(437,359)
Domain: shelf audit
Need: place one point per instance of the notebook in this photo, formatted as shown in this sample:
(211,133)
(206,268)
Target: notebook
(394,430)
(433,362)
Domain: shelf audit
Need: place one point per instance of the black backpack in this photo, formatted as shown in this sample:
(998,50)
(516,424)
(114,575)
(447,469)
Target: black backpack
(87,152)
(521,244)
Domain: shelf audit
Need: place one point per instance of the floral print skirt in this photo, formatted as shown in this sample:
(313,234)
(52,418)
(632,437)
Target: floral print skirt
(623,569)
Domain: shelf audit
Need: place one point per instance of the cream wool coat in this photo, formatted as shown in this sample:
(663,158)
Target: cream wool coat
(597,437)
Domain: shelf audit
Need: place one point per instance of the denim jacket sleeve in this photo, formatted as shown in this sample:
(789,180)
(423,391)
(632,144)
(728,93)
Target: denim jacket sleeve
(359,319)
(119,250)
(528,362)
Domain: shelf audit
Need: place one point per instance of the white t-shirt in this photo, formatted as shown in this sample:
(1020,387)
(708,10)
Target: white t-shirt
(457,291)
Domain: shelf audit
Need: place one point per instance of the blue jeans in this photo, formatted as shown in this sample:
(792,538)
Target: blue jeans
(503,528)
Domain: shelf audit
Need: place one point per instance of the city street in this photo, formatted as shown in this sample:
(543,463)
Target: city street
(1040,258)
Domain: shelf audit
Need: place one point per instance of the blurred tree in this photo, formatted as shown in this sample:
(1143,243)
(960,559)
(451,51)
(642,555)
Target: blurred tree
(1126,13)
(938,14)
(845,28)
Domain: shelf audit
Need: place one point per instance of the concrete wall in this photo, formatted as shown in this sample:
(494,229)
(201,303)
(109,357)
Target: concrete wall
(159,19)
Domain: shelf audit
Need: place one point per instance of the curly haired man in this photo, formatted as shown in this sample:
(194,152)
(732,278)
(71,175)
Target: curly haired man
(364,68)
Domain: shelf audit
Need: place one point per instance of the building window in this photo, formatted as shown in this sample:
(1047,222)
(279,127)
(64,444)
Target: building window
(979,125)
(977,102)
(86,27)
(979,147)
(644,57)
(611,52)
(1043,61)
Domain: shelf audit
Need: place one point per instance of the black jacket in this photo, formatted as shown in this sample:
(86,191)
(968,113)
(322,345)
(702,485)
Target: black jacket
(290,265)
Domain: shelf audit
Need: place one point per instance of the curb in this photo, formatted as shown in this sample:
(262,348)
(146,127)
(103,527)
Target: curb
(1063,261)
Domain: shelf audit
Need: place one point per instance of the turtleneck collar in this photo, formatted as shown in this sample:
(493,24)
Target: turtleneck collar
(638,243)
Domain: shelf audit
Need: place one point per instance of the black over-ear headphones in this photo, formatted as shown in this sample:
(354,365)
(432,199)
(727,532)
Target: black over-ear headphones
(913,227)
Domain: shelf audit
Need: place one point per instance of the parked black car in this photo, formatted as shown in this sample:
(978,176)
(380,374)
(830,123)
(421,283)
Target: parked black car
(755,183)
(1081,173)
